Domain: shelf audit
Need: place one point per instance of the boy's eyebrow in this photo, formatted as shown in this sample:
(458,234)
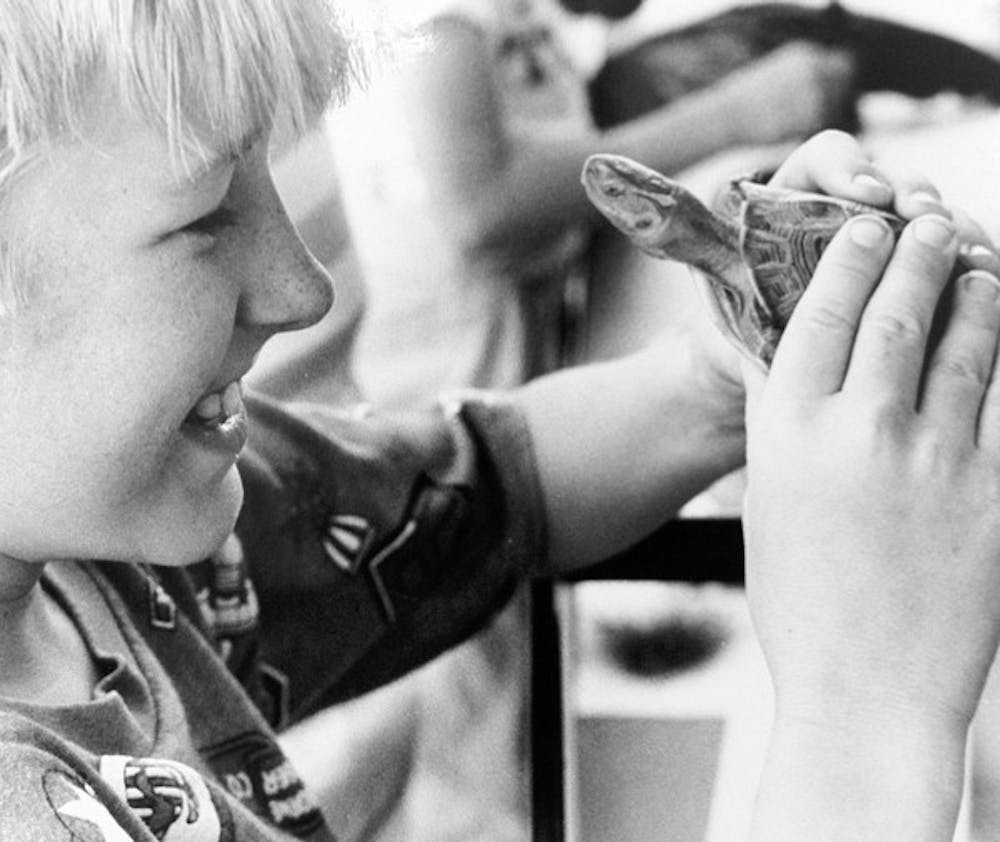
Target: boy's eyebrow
(216,158)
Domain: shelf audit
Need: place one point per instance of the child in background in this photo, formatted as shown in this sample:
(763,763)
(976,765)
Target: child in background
(147,259)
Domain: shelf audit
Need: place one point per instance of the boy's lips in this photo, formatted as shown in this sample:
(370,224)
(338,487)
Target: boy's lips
(219,419)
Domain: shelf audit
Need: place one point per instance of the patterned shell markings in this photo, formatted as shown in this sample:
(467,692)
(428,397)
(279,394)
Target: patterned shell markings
(752,254)
(782,236)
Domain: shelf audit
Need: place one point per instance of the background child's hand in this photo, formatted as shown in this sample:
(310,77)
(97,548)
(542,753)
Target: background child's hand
(793,91)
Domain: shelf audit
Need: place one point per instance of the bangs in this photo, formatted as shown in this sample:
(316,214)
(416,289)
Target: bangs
(207,73)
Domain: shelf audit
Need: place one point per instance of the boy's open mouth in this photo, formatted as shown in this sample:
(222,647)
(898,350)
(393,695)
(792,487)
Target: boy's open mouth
(215,408)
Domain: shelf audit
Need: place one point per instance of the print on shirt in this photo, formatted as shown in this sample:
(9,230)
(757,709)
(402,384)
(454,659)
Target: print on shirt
(346,540)
(255,771)
(171,799)
(79,811)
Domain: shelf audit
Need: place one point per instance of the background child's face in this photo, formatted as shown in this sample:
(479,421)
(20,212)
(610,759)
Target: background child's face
(147,295)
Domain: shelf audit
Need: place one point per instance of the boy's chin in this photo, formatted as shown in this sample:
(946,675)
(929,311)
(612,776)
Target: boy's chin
(191,552)
(192,535)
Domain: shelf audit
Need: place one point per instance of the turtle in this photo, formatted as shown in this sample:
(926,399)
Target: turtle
(753,254)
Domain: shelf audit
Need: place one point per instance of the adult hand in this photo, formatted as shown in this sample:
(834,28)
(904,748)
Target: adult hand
(873,515)
(873,504)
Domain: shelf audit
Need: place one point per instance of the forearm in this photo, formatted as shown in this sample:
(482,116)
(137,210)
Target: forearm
(881,780)
(623,445)
(532,190)
(531,193)
(500,191)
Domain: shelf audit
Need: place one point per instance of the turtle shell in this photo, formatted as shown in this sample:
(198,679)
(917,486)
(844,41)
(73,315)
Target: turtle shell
(782,235)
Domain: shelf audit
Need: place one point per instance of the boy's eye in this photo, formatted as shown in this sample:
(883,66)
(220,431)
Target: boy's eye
(212,223)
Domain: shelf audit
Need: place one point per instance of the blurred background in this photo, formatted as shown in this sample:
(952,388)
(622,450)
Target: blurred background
(651,716)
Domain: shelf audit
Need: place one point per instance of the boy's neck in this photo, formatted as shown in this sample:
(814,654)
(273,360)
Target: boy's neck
(43,658)
(18,580)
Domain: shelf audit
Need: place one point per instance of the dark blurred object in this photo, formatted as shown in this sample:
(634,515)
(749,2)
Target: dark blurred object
(664,648)
(889,57)
(611,9)
(682,550)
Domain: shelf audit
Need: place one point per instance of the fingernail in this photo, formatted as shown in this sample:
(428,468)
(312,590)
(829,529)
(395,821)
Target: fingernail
(982,285)
(980,256)
(931,202)
(868,231)
(871,182)
(933,231)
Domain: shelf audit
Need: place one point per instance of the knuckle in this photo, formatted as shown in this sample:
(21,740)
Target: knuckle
(896,326)
(885,416)
(961,366)
(827,317)
(933,451)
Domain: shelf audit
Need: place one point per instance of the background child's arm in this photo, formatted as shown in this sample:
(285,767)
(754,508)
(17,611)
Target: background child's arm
(505,189)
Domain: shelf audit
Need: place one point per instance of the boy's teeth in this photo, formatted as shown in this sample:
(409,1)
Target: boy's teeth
(218,406)
(232,398)
(209,407)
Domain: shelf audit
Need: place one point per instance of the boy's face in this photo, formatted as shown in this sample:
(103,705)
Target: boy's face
(147,296)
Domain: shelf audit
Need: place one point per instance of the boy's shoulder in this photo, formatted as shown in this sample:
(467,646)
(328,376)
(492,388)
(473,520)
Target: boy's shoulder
(352,480)
(393,532)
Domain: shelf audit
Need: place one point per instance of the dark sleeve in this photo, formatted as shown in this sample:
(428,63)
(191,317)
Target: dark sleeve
(377,542)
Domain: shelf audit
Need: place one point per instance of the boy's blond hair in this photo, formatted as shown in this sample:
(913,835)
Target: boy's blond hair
(205,72)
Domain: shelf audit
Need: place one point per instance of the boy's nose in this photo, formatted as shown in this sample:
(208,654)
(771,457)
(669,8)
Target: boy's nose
(285,287)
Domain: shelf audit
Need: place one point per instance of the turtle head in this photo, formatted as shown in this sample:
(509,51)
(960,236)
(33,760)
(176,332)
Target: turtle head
(636,199)
(658,215)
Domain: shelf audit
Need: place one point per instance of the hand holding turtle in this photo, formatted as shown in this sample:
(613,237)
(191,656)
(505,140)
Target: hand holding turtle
(873,532)
(834,163)
(755,252)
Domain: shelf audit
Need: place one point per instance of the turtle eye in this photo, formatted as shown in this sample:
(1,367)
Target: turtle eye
(643,223)
(614,190)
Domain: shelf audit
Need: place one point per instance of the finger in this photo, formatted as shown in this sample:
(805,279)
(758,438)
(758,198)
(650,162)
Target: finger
(915,194)
(969,229)
(893,335)
(975,248)
(814,351)
(978,256)
(988,433)
(961,364)
(833,162)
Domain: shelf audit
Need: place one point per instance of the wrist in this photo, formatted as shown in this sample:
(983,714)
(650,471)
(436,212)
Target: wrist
(711,367)
(861,775)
